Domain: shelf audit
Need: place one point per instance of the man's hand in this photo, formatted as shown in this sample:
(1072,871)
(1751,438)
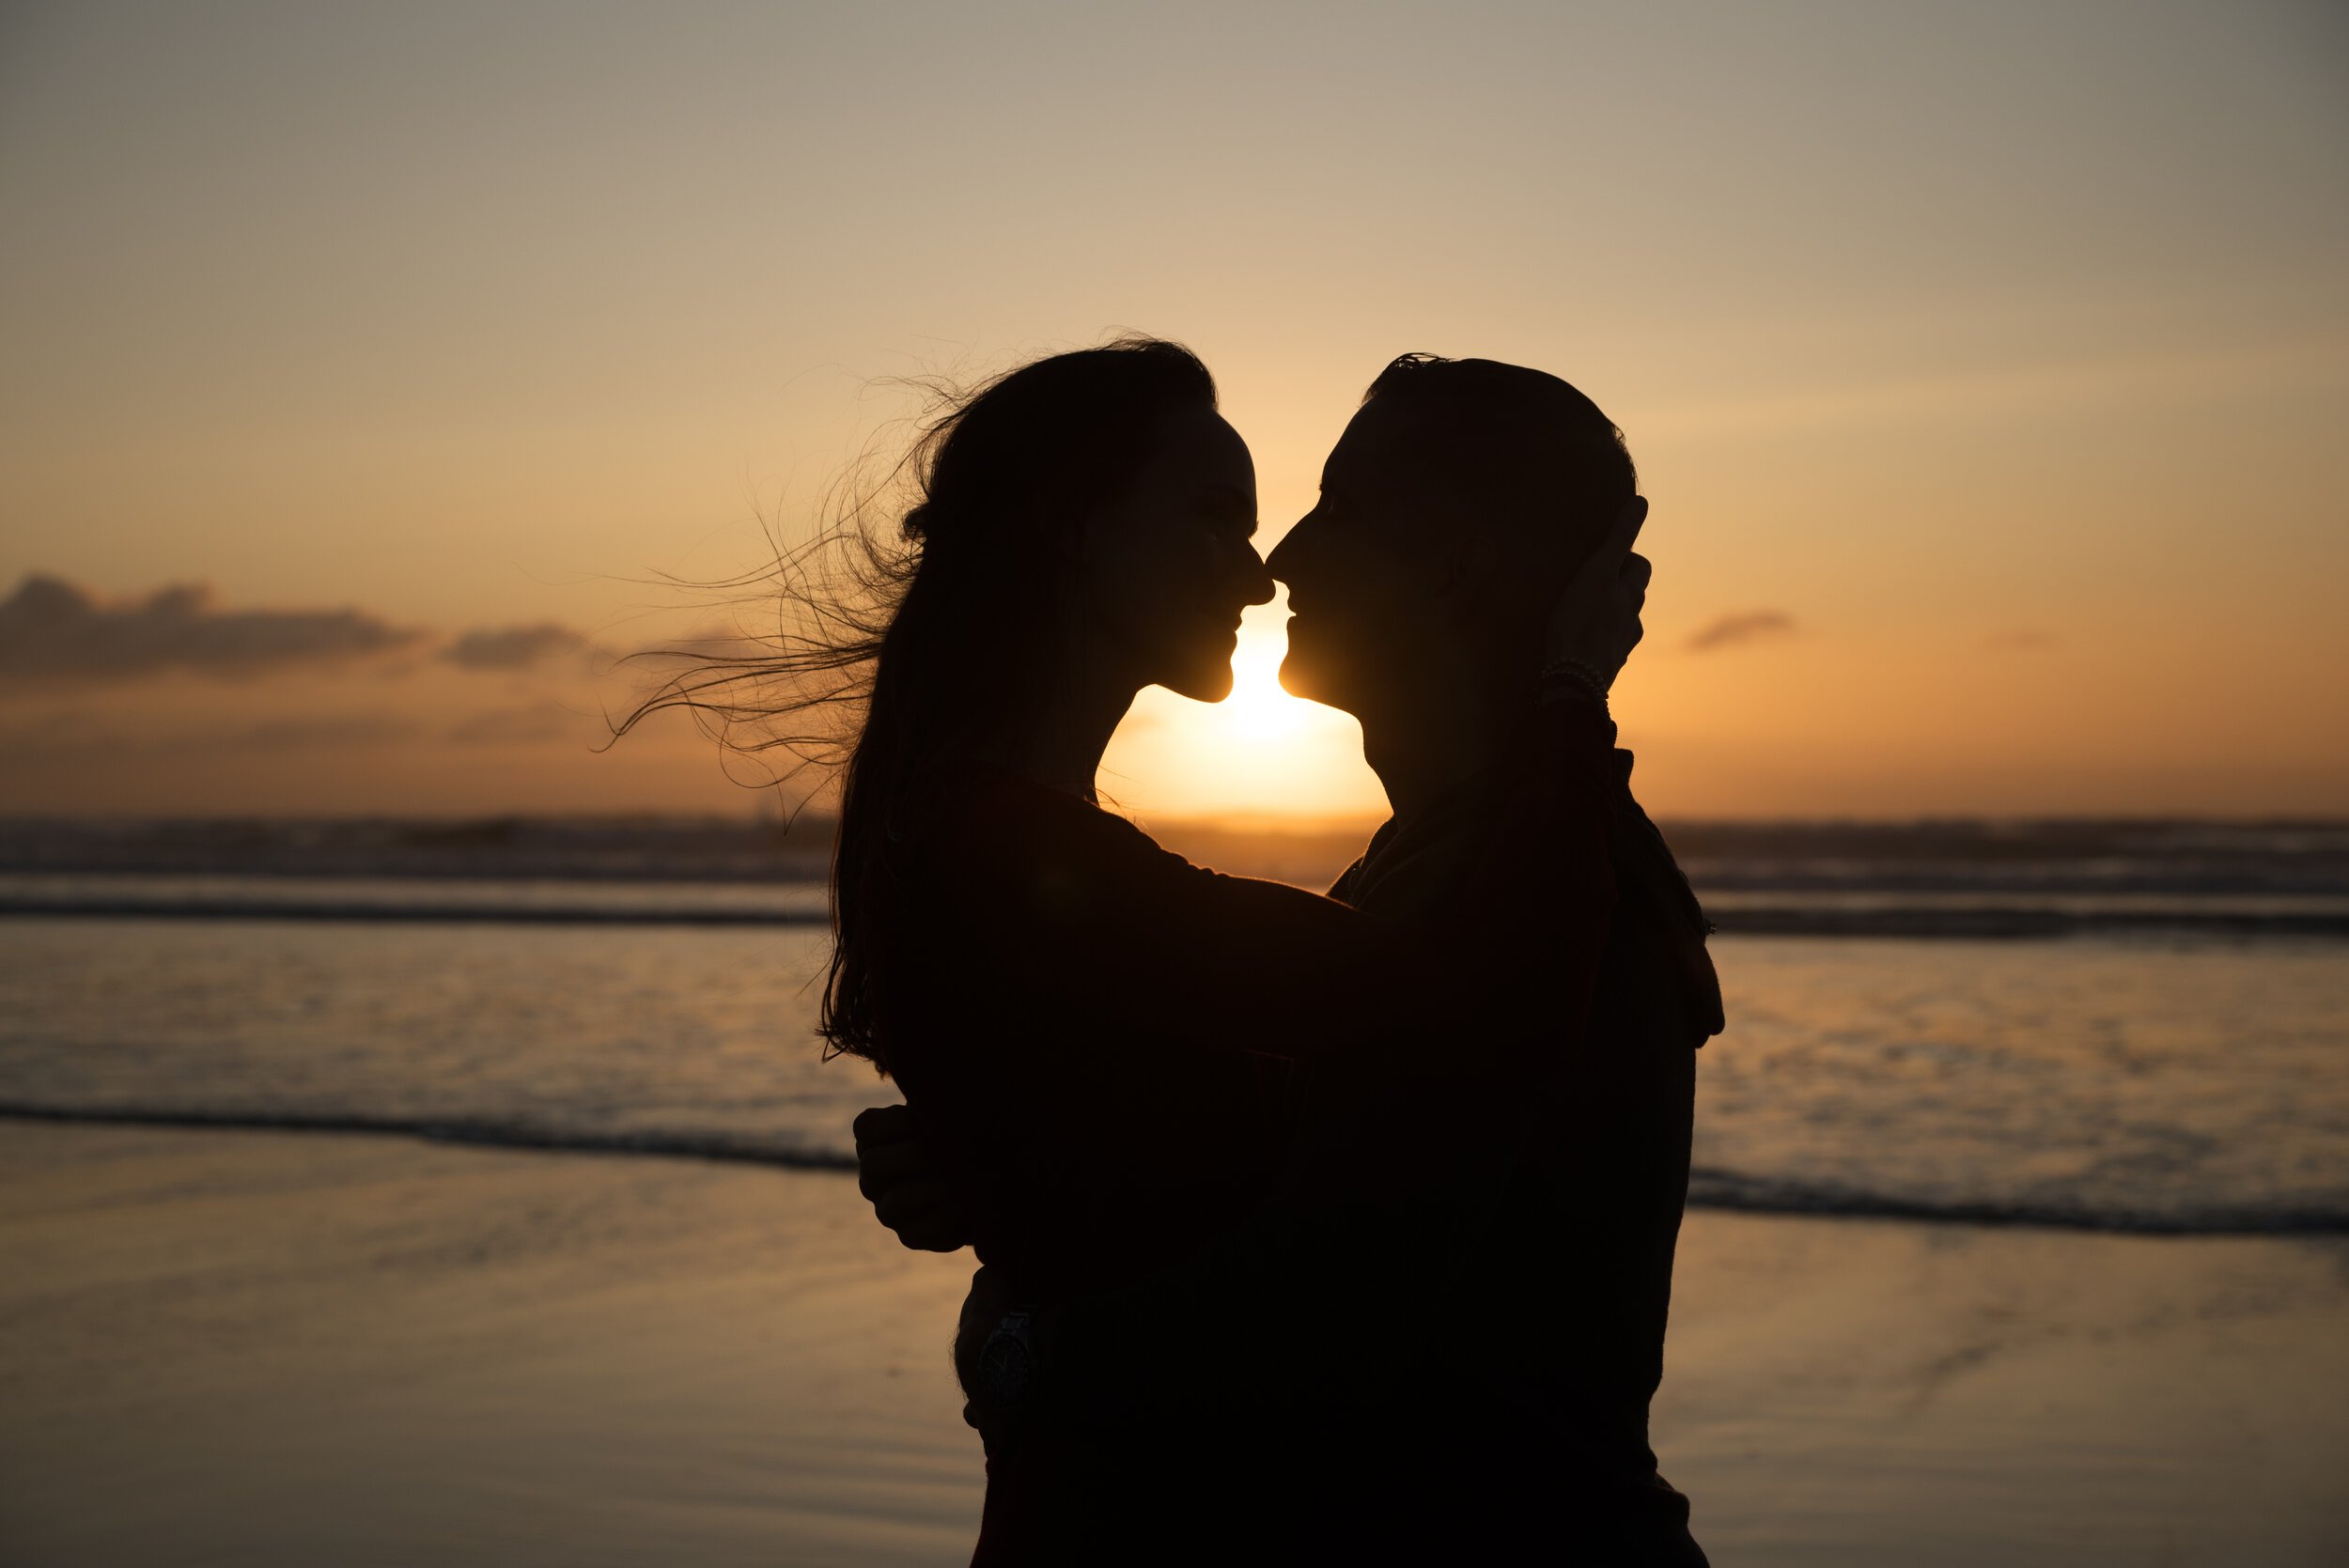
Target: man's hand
(1596,622)
(927,1208)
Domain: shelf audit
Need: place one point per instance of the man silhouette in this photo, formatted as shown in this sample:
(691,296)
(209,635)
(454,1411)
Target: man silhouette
(1438,1337)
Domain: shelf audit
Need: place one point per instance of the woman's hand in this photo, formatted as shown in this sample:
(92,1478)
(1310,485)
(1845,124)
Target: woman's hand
(1596,622)
(927,1208)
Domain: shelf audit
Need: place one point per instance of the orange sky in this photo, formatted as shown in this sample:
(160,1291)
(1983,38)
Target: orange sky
(1986,364)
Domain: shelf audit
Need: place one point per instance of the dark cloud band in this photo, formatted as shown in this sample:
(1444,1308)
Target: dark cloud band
(50,628)
(511,647)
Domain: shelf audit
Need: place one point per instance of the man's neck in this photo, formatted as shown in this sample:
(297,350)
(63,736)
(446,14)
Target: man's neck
(1420,750)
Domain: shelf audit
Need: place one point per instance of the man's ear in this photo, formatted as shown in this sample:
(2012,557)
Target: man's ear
(1471,579)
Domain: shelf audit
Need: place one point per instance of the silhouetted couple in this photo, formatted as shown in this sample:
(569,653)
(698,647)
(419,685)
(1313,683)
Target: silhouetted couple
(1313,1229)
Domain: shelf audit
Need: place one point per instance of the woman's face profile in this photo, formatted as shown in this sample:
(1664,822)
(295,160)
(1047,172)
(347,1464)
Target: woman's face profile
(1169,567)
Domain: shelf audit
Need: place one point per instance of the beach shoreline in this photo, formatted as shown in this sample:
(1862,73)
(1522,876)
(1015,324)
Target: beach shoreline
(272,1349)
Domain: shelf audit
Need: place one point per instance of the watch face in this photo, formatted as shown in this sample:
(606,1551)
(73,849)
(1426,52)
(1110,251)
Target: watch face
(1006,1367)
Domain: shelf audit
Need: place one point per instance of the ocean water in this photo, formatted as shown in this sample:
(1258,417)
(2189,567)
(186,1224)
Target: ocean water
(2125,1080)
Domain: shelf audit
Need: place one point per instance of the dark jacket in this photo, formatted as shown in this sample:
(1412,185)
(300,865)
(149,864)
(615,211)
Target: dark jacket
(1435,1325)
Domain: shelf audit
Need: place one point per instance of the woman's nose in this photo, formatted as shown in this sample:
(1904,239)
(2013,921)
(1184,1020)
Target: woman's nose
(1259,577)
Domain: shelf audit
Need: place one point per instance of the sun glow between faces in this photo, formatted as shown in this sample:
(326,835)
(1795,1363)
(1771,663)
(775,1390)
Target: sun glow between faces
(1258,712)
(1259,752)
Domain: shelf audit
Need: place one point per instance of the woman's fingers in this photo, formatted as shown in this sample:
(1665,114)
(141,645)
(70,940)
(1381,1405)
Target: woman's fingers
(1616,545)
(1627,524)
(1597,619)
(1613,553)
(882,1167)
(1631,591)
(882,1124)
(928,1214)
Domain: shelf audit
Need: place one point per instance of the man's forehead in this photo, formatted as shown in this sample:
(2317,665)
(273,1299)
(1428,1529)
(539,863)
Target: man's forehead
(1374,445)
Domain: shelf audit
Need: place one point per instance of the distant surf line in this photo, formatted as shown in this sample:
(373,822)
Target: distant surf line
(468,1131)
(1744,917)
(1709,1188)
(398,912)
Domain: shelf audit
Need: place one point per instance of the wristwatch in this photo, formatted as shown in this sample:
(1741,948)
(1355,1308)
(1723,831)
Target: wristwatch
(1006,1367)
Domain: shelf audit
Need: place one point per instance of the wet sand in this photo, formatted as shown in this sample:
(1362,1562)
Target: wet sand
(269,1348)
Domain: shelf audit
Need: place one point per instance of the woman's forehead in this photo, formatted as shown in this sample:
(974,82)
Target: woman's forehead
(1199,444)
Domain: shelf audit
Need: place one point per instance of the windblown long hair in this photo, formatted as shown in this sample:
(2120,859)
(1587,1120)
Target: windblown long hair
(924,630)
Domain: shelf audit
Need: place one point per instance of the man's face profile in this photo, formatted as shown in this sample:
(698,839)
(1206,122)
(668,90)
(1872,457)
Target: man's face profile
(1361,570)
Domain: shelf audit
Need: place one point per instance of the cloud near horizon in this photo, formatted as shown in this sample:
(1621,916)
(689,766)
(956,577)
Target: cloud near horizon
(512,647)
(52,628)
(1749,626)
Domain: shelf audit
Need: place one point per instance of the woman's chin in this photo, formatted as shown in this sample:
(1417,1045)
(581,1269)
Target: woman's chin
(1210,685)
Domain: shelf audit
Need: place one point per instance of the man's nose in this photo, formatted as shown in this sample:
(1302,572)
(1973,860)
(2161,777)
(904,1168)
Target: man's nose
(1281,563)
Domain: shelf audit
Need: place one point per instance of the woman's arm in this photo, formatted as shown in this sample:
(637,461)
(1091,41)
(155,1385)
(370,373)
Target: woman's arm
(1139,943)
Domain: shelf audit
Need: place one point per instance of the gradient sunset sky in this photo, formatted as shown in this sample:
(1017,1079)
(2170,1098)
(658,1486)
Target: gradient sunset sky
(1986,365)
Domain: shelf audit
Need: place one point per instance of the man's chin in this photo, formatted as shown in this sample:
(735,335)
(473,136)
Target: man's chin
(1302,678)
(1297,677)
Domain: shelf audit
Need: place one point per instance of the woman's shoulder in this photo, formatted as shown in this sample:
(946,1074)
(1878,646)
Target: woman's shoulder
(1017,831)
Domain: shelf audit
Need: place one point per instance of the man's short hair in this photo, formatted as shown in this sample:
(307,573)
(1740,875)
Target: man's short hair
(1524,449)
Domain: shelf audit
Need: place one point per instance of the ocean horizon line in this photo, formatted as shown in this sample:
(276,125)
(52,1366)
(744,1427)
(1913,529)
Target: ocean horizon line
(1972,877)
(1829,916)
(1251,819)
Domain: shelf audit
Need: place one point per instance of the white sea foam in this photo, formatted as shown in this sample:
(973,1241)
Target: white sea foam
(2114,1082)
